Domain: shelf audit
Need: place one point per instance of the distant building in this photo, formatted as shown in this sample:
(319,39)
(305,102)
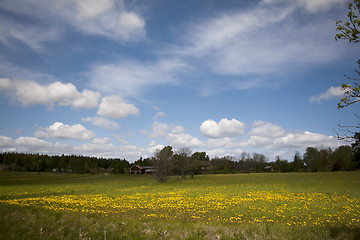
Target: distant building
(268,169)
(205,166)
(146,170)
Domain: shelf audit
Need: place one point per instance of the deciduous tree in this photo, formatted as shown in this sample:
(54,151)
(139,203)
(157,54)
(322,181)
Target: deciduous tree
(350,30)
(162,161)
(182,161)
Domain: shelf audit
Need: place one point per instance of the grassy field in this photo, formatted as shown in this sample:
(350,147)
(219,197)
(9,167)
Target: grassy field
(243,206)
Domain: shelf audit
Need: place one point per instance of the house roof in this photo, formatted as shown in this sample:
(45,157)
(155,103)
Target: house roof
(142,167)
(137,166)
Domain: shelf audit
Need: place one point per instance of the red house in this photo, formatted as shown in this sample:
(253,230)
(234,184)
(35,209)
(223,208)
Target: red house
(147,170)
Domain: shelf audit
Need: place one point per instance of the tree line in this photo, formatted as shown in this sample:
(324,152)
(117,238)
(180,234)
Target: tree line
(23,162)
(184,163)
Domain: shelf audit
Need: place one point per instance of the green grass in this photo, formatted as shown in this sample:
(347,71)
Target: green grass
(242,206)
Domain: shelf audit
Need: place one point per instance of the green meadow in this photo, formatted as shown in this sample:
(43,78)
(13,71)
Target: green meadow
(238,206)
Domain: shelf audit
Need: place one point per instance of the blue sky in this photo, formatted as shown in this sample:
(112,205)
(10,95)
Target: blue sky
(120,79)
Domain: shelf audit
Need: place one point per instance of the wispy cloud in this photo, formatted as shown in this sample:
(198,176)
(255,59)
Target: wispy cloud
(33,36)
(132,78)
(312,6)
(243,47)
(48,21)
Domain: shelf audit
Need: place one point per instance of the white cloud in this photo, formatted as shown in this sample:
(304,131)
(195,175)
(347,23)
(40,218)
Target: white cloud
(131,152)
(152,147)
(266,129)
(180,140)
(224,29)
(102,147)
(227,142)
(4,84)
(35,145)
(60,130)
(86,99)
(116,107)
(270,136)
(102,122)
(6,144)
(236,46)
(225,128)
(159,115)
(312,6)
(331,93)
(32,145)
(97,147)
(129,78)
(271,139)
(130,24)
(175,136)
(301,140)
(178,130)
(107,18)
(29,92)
(159,130)
(33,36)
(87,9)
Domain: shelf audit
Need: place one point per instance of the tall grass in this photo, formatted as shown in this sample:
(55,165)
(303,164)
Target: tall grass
(242,206)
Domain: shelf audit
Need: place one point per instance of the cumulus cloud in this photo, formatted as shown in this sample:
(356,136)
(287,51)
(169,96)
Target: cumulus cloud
(63,131)
(29,92)
(270,136)
(159,129)
(179,140)
(305,139)
(266,129)
(6,144)
(102,122)
(97,147)
(131,152)
(225,142)
(331,93)
(178,129)
(153,147)
(116,107)
(225,128)
(86,99)
(32,145)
